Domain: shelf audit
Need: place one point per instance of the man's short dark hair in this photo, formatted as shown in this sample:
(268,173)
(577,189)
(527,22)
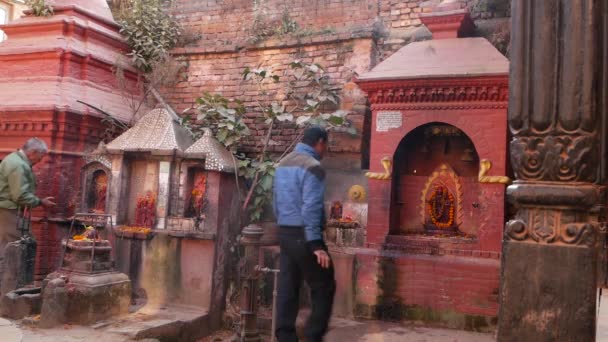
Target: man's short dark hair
(312,135)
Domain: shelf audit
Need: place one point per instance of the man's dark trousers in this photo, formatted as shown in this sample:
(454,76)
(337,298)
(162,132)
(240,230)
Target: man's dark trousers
(299,263)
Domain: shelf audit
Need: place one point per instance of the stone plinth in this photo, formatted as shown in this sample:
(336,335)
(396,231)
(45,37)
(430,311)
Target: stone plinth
(86,288)
(87,256)
(21,303)
(90,297)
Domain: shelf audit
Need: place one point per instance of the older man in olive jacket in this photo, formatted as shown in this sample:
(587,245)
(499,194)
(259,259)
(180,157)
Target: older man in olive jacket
(17,188)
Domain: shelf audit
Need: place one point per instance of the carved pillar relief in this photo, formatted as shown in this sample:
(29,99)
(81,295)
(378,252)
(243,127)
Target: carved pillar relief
(557,118)
(553,112)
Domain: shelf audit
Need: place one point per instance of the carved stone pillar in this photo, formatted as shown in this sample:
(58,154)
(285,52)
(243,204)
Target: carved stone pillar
(557,117)
(252,235)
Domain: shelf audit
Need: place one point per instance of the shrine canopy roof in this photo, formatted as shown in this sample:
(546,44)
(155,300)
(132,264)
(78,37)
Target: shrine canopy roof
(217,157)
(157,132)
(441,58)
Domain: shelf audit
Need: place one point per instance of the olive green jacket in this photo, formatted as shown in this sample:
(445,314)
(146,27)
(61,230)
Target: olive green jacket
(17,182)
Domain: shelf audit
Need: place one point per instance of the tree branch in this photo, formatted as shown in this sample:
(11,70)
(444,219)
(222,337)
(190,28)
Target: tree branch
(257,173)
(120,123)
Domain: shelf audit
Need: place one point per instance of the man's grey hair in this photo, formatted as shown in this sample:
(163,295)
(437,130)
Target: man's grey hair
(35,145)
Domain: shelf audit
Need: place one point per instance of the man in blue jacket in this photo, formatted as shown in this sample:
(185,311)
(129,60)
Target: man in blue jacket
(299,189)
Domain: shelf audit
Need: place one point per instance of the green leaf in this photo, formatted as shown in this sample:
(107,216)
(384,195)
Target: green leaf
(352,131)
(312,103)
(313,68)
(277,108)
(336,120)
(303,119)
(246,73)
(221,135)
(340,113)
(285,117)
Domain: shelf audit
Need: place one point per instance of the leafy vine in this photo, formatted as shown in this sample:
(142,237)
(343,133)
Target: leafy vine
(308,98)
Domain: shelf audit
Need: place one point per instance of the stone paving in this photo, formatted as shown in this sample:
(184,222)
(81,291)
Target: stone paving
(376,331)
(341,330)
(9,331)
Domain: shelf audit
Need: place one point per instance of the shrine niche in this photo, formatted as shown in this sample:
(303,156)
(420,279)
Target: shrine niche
(196,200)
(436,171)
(95,185)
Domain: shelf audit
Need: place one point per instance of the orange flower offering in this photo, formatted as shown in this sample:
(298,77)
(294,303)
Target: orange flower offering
(87,235)
(135,230)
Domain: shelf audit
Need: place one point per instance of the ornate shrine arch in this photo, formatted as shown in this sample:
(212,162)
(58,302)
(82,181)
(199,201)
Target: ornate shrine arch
(432,164)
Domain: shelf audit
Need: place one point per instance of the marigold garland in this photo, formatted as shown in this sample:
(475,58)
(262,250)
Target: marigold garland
(436,213)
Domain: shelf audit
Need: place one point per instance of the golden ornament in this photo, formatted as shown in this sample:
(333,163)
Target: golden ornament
(357,193)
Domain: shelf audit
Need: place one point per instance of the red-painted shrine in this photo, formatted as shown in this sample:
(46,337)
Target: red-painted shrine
(50,67)
(437,180)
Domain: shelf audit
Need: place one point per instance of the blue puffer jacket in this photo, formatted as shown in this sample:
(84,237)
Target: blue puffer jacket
(299,190)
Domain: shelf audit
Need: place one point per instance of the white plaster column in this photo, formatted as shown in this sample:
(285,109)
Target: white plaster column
(115,186)
(162,202)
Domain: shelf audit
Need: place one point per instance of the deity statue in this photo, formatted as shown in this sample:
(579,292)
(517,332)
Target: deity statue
(198,192)
(101,188)
(336,211)
(145,212)
(97,192)
(441,207)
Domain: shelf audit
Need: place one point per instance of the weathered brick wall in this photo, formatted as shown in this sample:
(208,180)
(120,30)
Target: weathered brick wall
(222,73)
(457,292)
(233,22)
(345,36)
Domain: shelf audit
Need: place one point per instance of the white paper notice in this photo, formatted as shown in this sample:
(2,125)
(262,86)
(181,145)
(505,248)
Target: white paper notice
(388,120)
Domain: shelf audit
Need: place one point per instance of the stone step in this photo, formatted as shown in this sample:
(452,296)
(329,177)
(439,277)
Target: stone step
(171,323)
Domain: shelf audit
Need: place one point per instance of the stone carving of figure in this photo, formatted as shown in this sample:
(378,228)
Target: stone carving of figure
(97,192)
(441,207)
(336,211)
(145,212)
(198,193)
(101,189)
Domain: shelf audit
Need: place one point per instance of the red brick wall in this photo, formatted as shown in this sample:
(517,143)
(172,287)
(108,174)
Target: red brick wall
(230,23)
(58,174)
(467,286)
(222,73)
(342,35)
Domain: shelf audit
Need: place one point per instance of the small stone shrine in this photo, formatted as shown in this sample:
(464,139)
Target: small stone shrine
(172,222)
(86,288)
